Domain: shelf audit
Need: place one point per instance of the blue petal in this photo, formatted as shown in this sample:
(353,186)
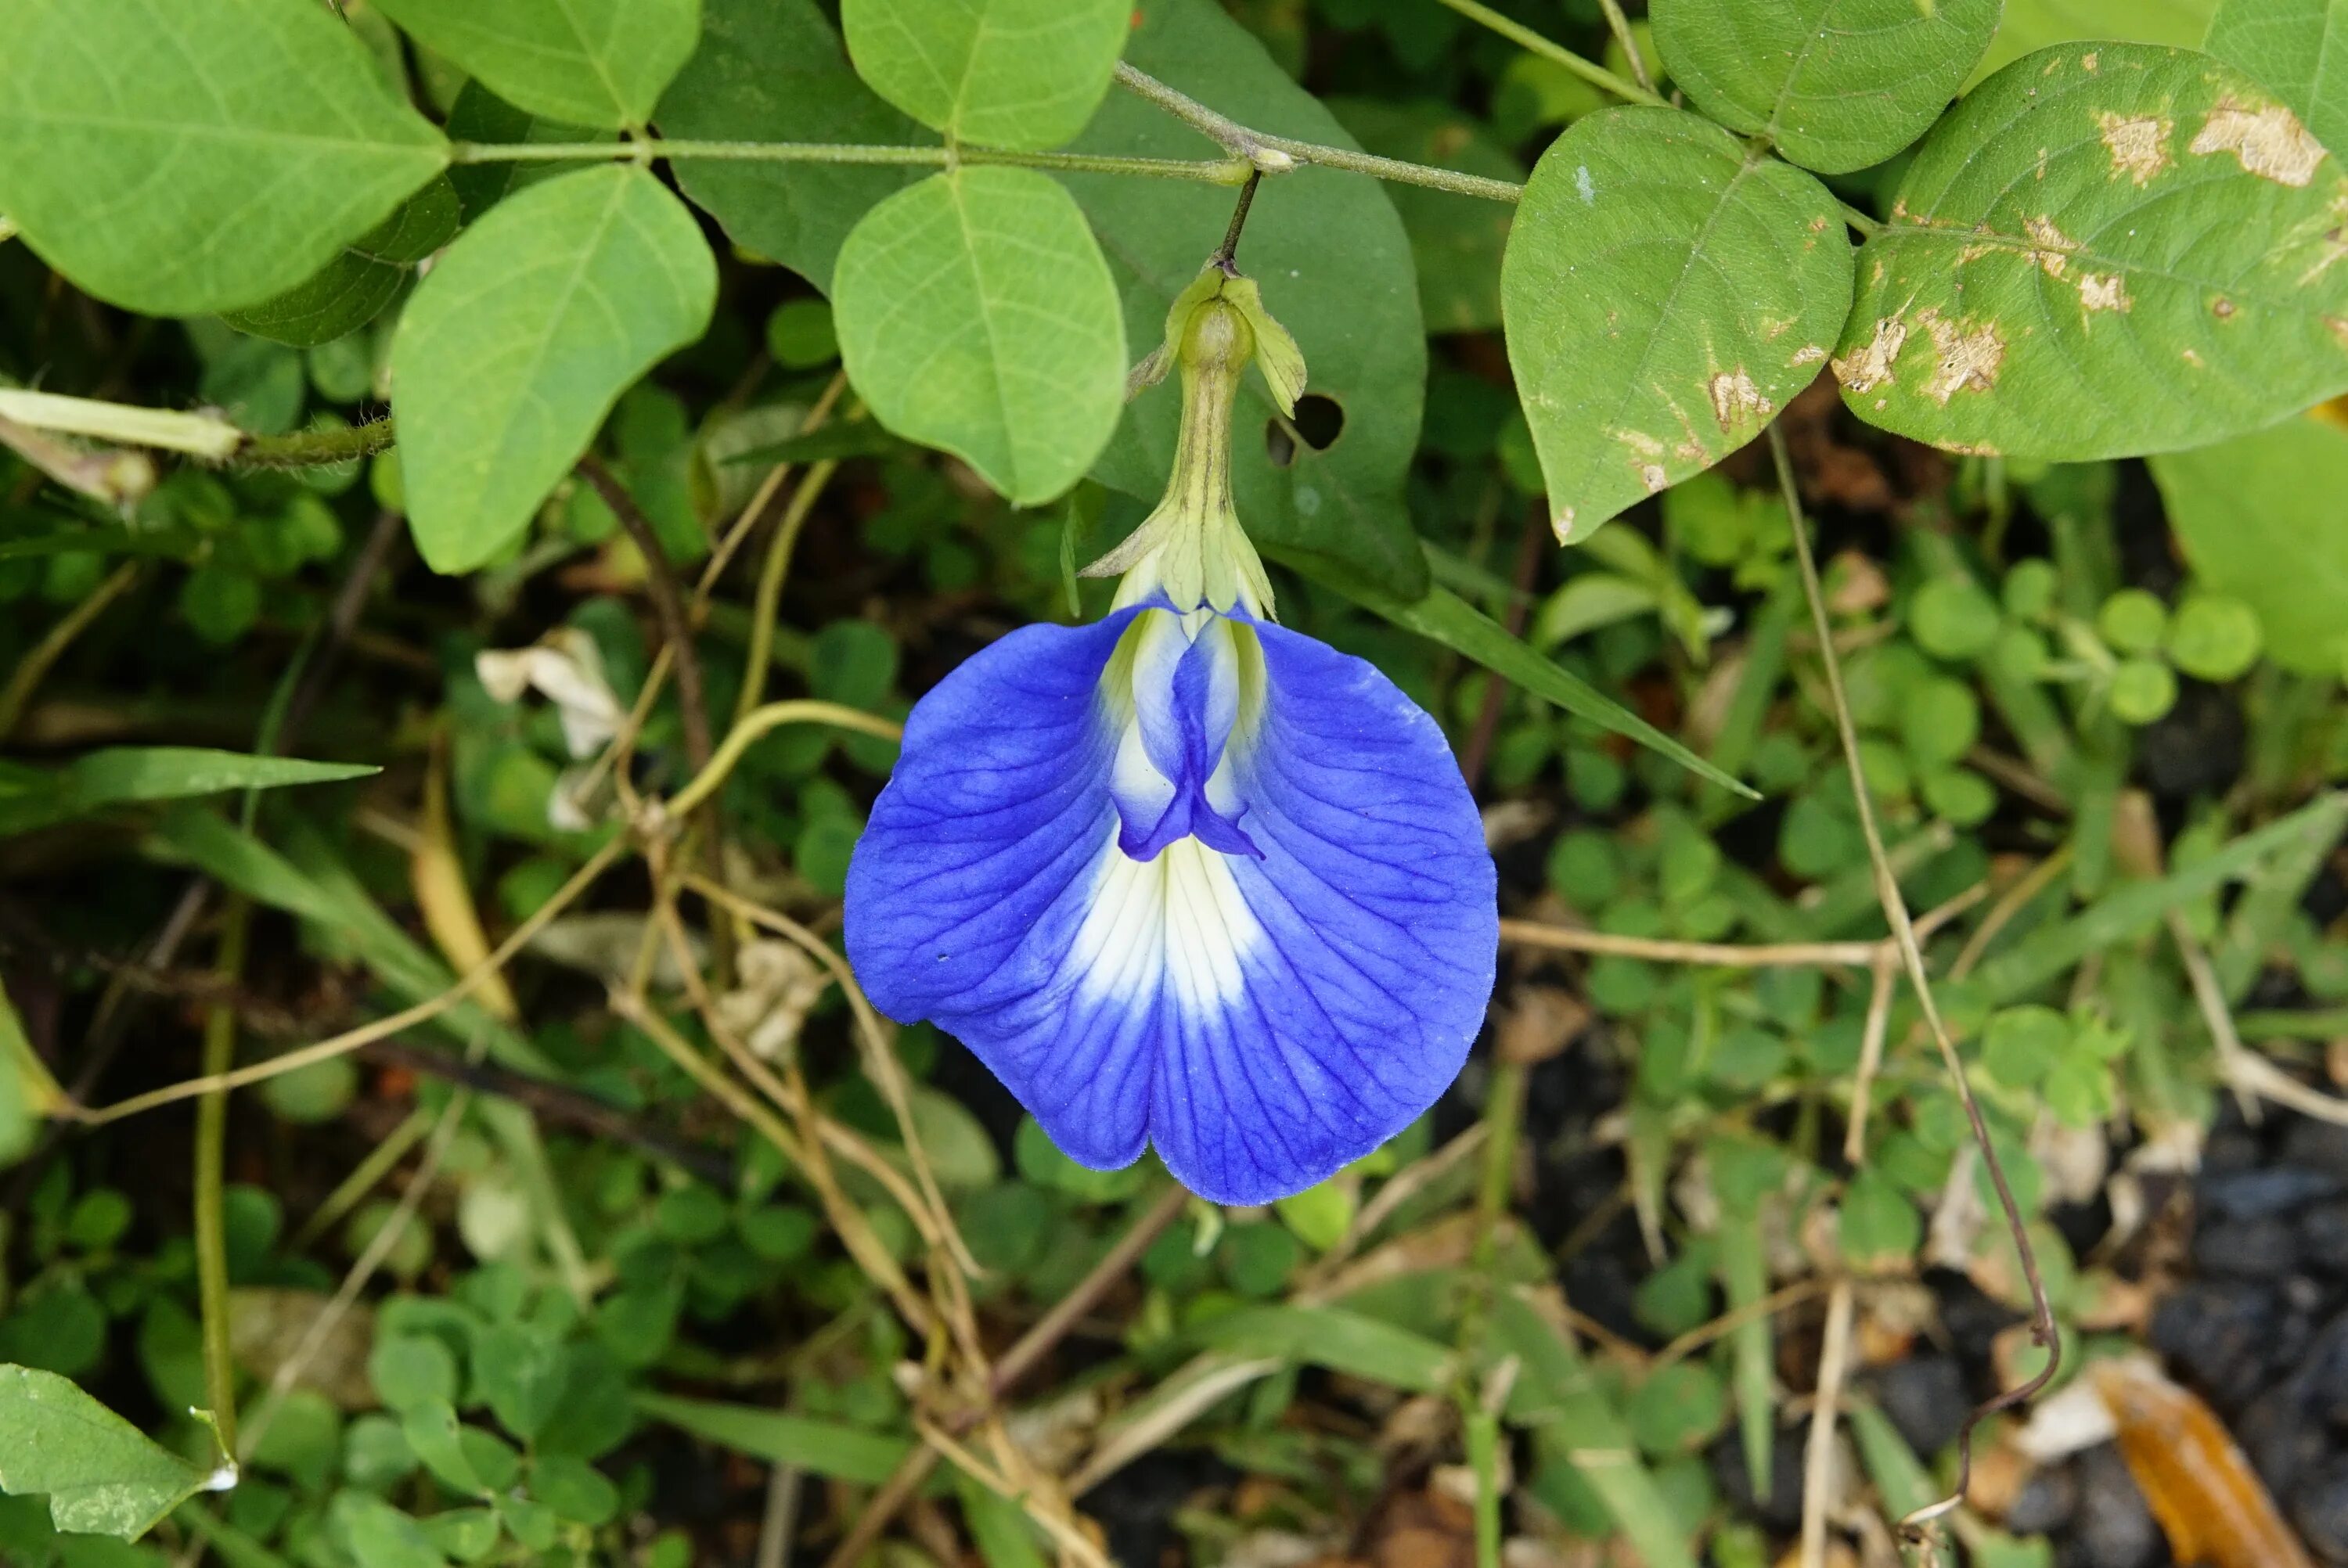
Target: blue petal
(1266,1012)
(1378,906)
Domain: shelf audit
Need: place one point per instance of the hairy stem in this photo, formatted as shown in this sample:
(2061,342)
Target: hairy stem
(316,448)
(1210,172)
(1279,154)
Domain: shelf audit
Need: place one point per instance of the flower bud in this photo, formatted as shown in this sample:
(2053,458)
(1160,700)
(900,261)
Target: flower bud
(1191,548)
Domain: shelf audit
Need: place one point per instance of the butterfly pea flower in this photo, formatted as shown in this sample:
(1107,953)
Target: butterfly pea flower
(1184,877)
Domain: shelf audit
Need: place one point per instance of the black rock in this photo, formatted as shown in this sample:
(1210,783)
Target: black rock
(2319,1509)
(1972,1318)
(1925,1397)
(2231,1149)
(2323,1238)
(2223,1335)
(2248,1249)
(2195,747)
(2113,1527)
(1135,1505)
(1783,1507)
(2315,1146)
(2046,1503)
(2261,1193)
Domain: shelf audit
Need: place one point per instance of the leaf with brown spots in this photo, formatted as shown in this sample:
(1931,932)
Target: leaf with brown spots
(2296,49)
(2105,250)
(1665,292)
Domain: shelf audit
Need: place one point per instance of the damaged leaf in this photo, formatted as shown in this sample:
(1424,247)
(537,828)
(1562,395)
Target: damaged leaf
(2107,250)
(2297,49)
(1665,292)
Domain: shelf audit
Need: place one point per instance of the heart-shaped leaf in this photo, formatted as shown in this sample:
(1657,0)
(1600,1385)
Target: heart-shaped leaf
(519,342)
(183,159)
(975,314)
(103,1476)
(2105,250)
(1665,291)
(584,62)
(1835,85)
(1024,73)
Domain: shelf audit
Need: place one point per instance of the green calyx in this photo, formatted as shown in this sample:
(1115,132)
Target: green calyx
(1191,548)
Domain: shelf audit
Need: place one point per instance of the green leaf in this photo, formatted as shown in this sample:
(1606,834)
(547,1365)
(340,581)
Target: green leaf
(2034,25)
(1442,616)
(589,62)
(1555,1392)
(103,1475)
(2104,251)
(519,341)
(1351,305)
(975,313)
(2297,49)
(378,1535)
(772,70)
(2259,517)
(1666,293)
(1456,241)
(1020,74)
(352,290)
(1340,1340)
(826,1447)
(998,1526)
(1835,85)
(180,159)
(123,775)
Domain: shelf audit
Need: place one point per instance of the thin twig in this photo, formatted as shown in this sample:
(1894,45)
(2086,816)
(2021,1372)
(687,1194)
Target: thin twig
(1620,26)
(1818,1461)
(1227,254)
(379,1247)
(747,520)
(1278,155)
(211,1154)
(384,1028)
(1721,955)
(558,1103)
(1895,910)
(39,659)
(1025,1353)
(1870,1054)
(766,598)
(685,659)
(1525,38)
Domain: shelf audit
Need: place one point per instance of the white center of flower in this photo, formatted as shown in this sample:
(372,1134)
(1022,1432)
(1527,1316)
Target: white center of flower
(1175,925)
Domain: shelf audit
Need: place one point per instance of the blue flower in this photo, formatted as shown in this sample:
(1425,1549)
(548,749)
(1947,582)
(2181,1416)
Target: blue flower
(1185,878)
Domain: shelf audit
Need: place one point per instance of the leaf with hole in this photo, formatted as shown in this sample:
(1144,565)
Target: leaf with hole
(1835,85)
(1333,487)
(182,159)
(103,1476)
(2105,250)
(975,314)
(353,288)
(1666,293)
(1019,74)
(585,62)
(773,70)
(2297,49)
(2260,518)
(517,343)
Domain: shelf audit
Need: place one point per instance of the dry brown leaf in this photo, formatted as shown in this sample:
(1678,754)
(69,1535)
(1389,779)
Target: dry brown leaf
(265,1324)
(2209,1502)
(1539,1022)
